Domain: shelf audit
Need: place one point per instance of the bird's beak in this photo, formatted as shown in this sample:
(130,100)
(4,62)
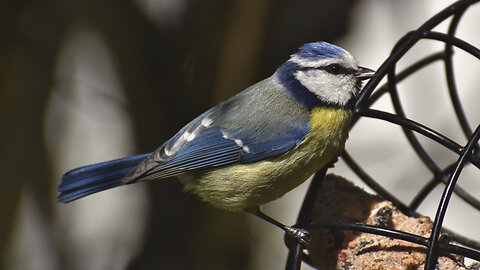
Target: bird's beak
(364,73)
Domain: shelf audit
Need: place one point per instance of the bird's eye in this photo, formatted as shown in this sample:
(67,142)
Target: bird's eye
(334,69)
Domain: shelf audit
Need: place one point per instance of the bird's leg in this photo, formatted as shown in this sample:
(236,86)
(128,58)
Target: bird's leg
(300,235)
(331,164)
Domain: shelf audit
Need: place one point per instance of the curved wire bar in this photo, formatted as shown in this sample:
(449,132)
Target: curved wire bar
(467,154)
(428,188)
(447,194)
(295,254)
(438,178)
(406,73)
(452,86)
(415,126)
(409,210)
(360,227)
(443,178)
(368,180)
(405,43)
(461,44)
(417,146)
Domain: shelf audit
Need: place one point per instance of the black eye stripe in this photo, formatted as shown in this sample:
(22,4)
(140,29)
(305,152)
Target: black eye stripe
(335,69)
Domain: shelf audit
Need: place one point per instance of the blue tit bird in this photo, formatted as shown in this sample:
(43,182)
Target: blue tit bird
(254,147)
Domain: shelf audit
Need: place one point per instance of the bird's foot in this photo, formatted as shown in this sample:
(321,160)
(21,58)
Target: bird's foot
(300,235)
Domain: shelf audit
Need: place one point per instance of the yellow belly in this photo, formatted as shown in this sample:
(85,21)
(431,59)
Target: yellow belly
(244,186)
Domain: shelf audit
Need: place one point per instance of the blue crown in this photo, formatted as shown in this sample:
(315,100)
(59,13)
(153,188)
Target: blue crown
(320,50)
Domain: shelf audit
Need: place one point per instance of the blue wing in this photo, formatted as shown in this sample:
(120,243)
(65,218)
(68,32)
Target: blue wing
(209,149)
(212,149)
(236,131)
(259,149)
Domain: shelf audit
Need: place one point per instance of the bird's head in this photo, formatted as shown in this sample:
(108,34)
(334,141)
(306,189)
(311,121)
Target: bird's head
(322,74)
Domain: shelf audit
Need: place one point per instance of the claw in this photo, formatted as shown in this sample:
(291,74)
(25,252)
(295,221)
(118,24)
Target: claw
(301,235)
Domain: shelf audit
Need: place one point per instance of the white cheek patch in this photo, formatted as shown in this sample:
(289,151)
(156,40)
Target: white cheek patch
(335,89)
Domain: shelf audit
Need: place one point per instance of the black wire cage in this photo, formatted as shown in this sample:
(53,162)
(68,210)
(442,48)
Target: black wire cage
(466,155)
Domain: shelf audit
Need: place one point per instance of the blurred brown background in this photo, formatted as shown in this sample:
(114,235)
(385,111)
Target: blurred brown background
(168,60)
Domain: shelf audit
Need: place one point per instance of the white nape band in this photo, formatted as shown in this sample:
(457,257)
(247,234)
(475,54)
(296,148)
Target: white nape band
(346,60)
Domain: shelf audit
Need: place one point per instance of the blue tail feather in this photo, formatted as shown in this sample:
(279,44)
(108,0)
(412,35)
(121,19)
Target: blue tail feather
(90,179)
